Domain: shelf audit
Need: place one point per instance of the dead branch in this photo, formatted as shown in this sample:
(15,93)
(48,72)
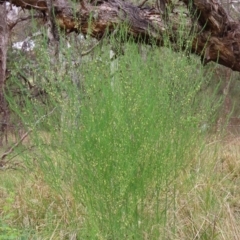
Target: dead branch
(12,148)
(216,37)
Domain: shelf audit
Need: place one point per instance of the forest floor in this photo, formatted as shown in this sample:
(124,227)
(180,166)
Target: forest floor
(207,200)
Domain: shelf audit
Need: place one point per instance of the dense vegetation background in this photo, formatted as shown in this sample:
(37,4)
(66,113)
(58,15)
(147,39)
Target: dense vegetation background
(142,147)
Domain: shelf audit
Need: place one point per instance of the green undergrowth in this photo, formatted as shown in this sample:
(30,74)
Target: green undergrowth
(110,141)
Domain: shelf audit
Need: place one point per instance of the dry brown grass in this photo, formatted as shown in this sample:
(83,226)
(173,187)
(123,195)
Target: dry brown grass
(207,204)
(208,195)
(29,204)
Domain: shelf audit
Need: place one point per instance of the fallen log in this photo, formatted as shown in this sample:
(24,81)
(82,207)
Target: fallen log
(207,29)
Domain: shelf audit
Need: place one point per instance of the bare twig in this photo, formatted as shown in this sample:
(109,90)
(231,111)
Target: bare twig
(5,154)
(12,25)
(14,146)
(36,34)
(142,3)
(93,47)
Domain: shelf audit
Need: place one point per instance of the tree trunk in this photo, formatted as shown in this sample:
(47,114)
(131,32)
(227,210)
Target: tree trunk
(4,114)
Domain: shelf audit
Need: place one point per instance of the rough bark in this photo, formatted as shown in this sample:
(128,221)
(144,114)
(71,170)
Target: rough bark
(217,35)
(3,59)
